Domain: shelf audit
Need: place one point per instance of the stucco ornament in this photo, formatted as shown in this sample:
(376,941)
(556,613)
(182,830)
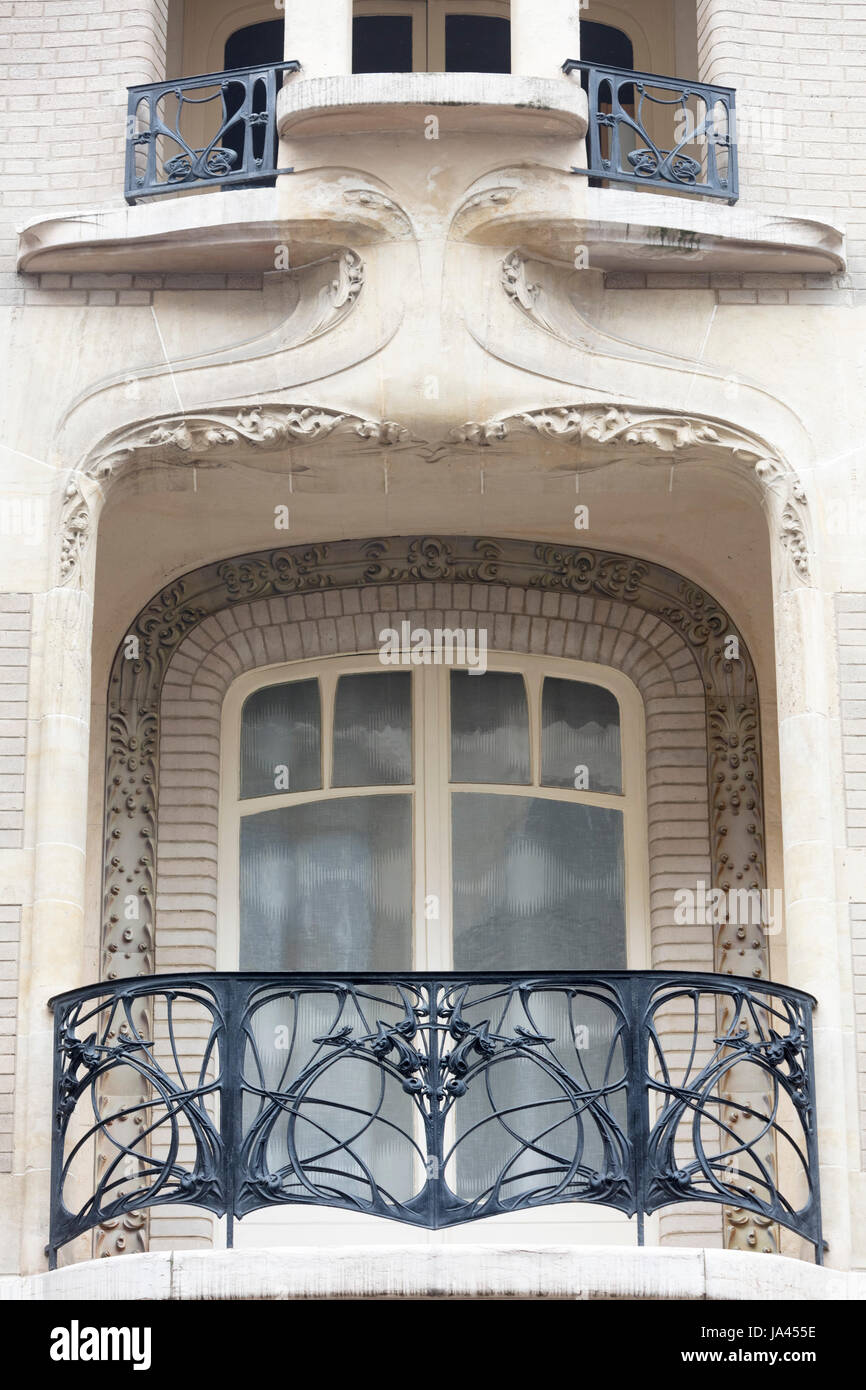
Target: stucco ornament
(682,437)
(196,439)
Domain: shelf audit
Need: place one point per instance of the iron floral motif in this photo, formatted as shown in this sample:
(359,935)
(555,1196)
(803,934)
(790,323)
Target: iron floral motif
(385,1084)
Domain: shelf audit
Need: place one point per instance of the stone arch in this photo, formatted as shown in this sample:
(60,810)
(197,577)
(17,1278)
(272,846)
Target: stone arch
(697,627)
(260,608)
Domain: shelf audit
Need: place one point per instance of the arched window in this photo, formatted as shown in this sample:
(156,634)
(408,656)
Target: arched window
(379,817)
(602,43)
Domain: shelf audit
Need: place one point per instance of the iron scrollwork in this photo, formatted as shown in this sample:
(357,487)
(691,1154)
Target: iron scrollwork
(240,146)
(433,1100)
(659,131)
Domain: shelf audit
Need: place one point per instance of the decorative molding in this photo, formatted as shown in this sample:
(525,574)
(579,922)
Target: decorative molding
(683,437)
(398,219)
(188,439)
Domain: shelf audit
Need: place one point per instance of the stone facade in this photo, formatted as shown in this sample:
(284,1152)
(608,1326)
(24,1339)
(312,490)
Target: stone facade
(433,327)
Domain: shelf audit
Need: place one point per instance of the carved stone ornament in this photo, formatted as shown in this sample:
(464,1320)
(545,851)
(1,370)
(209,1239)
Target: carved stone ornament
(601,429)
(191,438)
(613,427)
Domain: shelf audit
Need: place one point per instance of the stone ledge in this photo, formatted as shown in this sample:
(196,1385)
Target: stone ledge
(441,1271)
(547,212)
(647,232)
(462,102)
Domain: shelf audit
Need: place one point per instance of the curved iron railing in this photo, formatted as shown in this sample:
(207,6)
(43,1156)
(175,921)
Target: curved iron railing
(433,1099)
(217,130)
(661,132)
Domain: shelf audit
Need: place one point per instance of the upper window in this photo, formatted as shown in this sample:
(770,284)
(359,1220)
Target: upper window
(432,818)
(431,36)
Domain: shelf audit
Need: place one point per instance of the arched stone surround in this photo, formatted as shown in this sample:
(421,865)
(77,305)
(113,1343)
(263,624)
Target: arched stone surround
(535,587)
(207,627)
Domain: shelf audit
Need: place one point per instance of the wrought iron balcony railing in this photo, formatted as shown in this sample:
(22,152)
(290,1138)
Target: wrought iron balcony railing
(217,130)
(433,1099)
(660,132)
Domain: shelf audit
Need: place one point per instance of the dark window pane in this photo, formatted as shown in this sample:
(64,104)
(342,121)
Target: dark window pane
(580,730)
(248,48)
(328,886)
(257,43)
(477,43)
(373,730)
(281,740)
(601,43)
(538,885)
(489,728)
(382,43)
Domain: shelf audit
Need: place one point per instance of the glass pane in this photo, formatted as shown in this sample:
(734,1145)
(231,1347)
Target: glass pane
(281,740)
(382,43)
(373,730)
(538,885)
(327,886)
(580,737)
(489,728)
(477,43)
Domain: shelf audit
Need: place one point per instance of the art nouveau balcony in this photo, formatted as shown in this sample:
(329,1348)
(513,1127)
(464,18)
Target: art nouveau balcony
(434,1100)
(636,168)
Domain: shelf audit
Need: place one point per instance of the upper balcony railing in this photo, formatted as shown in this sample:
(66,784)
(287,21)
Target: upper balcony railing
(220,130)
(197,132)
(434,1099)
(660,132)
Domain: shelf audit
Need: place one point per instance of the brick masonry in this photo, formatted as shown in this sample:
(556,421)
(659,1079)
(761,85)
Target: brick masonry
(14,667)
(749,287)
(851,638)
(10,939)
(268,632)
(851,649)
(798,69)
(54,290)
(65,69)
(857,913)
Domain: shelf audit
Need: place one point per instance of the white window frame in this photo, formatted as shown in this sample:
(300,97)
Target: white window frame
(431,789)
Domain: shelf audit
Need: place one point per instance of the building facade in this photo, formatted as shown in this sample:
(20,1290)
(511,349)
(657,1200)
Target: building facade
(433,597)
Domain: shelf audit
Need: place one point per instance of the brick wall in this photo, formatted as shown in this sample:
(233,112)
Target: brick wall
(64,69)
(800,74)
(857,912)
(10,934)
(851,639)
(14,663)
(851,636)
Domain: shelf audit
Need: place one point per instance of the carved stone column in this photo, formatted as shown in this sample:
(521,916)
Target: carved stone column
(806,765)
(60,708)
